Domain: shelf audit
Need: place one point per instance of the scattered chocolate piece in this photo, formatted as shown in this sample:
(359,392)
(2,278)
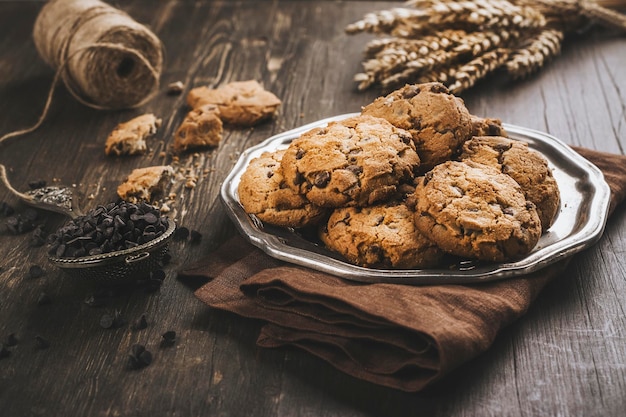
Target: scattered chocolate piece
(140,324)
(19,224)
(195,236)
(41,342)
(4,352)
(38,237)
(169,338)
(110,321)
(181,233)
(106,321)
(43,299)
(35,271)
(12,340)
(139,357)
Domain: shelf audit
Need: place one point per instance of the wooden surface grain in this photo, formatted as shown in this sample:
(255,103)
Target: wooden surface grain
(565,357)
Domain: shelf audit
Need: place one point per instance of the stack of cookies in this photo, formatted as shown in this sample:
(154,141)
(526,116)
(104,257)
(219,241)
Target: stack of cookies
(414,179)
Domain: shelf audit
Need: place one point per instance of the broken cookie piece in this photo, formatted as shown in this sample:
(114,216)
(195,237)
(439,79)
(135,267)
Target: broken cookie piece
(129,138)
(201,127)
(146,184)
(242,103)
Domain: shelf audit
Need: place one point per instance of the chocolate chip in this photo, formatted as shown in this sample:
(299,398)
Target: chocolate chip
(321,179)
(35,271)
(299,179)
(169,338)
(43,299)
(300,153)
(114,320)
(4,352)
(139,357)
(195,236)
(355,169)
(410,92)
(439,88)
(427,177)
(406,139)
(106,321)
(509,211)
(12,340)
(141,323)
(181,233)
(145,358)
(494,129)
(41,342)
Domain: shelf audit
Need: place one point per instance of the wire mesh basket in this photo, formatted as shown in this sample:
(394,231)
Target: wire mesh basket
(120,267)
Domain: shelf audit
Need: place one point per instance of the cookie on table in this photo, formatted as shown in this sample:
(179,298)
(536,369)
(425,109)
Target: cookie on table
(487,126)
(200,128)
(356,161)
(438,121)
(129,138)
(526,166)
(263,193)
(379,236)
(474,210)
(242,103)
(146,184)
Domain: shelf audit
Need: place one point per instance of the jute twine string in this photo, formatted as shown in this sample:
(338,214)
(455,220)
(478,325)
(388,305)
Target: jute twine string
(105,59)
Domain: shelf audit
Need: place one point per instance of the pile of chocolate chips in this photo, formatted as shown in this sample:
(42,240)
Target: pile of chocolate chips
(114,227)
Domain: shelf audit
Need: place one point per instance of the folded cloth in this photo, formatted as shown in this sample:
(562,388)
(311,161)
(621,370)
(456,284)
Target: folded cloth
(400,336)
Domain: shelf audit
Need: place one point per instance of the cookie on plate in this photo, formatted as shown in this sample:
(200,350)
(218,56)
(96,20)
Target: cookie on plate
(146,184)
(437,120)
(356,161)
(379,236)
(242,103)
(474,210)
(526,166)
(263,193)
(129,138)
(200,128)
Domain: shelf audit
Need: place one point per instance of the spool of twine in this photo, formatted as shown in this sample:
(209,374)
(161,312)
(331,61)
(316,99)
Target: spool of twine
(105,58)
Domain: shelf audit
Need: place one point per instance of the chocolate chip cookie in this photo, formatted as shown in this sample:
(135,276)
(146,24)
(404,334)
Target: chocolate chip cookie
(242,103)
(527,167)
(437,120)
(382,235)
(201,127)
(474,210)
(356,161)
(263,193)
(129,138)
(146,184)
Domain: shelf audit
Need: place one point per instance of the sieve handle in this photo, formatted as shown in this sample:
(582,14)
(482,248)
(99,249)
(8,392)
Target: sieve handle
(130,259)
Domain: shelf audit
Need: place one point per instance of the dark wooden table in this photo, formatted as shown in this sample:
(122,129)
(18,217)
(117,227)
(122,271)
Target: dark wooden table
(566,357)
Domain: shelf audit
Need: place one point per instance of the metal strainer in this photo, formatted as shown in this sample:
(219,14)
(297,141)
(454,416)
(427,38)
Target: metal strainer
(115,267)
(122,265)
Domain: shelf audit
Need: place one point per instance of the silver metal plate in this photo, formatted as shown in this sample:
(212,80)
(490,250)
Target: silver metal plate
(585,198)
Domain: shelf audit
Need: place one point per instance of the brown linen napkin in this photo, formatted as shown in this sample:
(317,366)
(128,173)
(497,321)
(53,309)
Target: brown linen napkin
(400,336)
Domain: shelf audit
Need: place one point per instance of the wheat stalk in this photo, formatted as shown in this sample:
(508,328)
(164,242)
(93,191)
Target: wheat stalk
(534,53)
(458,42)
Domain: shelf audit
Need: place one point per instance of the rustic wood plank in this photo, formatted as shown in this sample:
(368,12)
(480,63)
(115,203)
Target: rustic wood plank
(565,357)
